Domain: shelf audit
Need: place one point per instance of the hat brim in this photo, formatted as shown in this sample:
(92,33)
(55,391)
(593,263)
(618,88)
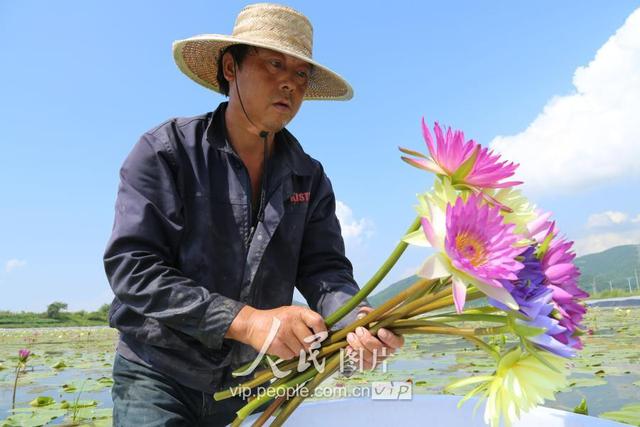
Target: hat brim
(197,57)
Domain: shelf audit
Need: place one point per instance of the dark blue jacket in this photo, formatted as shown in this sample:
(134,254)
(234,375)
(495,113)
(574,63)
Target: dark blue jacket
(177,259)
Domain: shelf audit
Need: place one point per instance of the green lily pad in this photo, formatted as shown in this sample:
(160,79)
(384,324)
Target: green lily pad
(105,381)
(59,365)
(629,414)
(88,385)
(91,415)
(33,418)
(69,388)
(41,401)
(65,404)
(585,382)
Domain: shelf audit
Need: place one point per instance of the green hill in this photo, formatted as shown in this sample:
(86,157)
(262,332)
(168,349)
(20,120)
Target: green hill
(393,289)
(615,265)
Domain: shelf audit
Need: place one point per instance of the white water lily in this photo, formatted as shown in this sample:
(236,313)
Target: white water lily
(433,205)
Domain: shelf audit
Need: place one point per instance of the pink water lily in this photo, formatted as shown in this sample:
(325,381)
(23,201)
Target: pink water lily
(23,355)
(476,247)
(562,277)
(468,164)
(541,227)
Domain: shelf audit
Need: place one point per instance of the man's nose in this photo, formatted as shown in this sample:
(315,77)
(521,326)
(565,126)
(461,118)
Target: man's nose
(288,81)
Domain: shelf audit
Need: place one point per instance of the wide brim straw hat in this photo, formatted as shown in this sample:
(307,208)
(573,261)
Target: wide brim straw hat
(265,25)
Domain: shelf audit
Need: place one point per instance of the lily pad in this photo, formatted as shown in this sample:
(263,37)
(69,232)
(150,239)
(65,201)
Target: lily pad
(41,401)
(59,365)
(87,385)
(93,414)
(33,418)
(629,414)
(586,382)
(65,404)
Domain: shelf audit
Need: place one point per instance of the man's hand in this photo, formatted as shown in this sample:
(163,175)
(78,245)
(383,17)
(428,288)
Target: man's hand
(363,343)
(252,326)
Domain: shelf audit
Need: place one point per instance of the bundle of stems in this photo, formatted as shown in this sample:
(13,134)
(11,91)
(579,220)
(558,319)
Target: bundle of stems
(408,312)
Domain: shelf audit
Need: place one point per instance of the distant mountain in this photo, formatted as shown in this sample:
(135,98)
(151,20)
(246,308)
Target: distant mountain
(615,265)
(390,291)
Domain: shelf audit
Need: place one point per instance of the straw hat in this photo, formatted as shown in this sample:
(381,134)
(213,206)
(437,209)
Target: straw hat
(265,25)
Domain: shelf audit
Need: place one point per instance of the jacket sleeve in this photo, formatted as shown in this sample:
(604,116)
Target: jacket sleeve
(140,257)
(325,275)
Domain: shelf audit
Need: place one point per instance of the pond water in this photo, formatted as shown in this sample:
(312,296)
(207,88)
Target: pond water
(75,363)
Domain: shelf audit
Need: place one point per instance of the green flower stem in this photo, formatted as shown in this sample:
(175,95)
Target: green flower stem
(336,340)
(472,332)
(15,386)
(403,311)
(463,317)
(267,374)
(380,311)
(434,287)
(414,323)
(336,316)
(271,392)
(269,411)
(330,367)
(444,302)
(483,345)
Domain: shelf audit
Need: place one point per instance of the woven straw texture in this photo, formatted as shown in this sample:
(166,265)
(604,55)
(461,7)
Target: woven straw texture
(265,25)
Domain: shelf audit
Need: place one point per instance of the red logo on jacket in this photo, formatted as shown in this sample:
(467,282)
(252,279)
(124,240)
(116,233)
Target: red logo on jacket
(300,197)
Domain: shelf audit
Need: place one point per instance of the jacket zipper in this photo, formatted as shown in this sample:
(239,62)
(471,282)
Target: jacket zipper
(252,228)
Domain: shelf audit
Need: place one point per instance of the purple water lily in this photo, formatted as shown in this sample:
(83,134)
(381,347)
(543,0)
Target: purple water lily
(562,278)
(535,299)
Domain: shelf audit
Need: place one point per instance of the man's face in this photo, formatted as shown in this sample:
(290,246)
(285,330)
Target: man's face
(271,85)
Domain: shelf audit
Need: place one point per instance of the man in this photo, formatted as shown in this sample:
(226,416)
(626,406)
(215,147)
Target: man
(218,217)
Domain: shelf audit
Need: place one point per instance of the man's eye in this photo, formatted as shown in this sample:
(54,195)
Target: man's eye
(303,74)
(276,63)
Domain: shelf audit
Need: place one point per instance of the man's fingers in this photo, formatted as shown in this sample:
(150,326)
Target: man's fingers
(365,345)
(302,332)
(390,339)
(314,321)
(369,342)
(363,312)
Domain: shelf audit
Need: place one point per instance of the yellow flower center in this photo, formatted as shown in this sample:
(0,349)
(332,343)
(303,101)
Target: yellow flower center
(471,248)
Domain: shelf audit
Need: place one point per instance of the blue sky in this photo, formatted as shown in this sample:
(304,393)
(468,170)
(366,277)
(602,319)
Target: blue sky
(81,81)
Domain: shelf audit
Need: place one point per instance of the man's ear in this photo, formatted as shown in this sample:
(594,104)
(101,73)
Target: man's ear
(228,69)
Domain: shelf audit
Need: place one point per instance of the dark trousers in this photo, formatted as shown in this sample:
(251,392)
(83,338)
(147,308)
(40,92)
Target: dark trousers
(143,397)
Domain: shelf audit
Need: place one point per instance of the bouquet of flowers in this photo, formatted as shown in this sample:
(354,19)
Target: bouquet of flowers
(491,245)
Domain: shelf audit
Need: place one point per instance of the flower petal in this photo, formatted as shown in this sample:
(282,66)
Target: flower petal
(459,293)
(417,238)
(435,267)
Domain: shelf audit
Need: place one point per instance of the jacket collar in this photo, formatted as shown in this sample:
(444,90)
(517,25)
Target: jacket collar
(287,150)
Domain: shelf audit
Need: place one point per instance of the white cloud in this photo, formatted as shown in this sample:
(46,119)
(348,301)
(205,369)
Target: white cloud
(636,219)
(601,241)
(12,264)
(590,136)
(607,218)
(353,229)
